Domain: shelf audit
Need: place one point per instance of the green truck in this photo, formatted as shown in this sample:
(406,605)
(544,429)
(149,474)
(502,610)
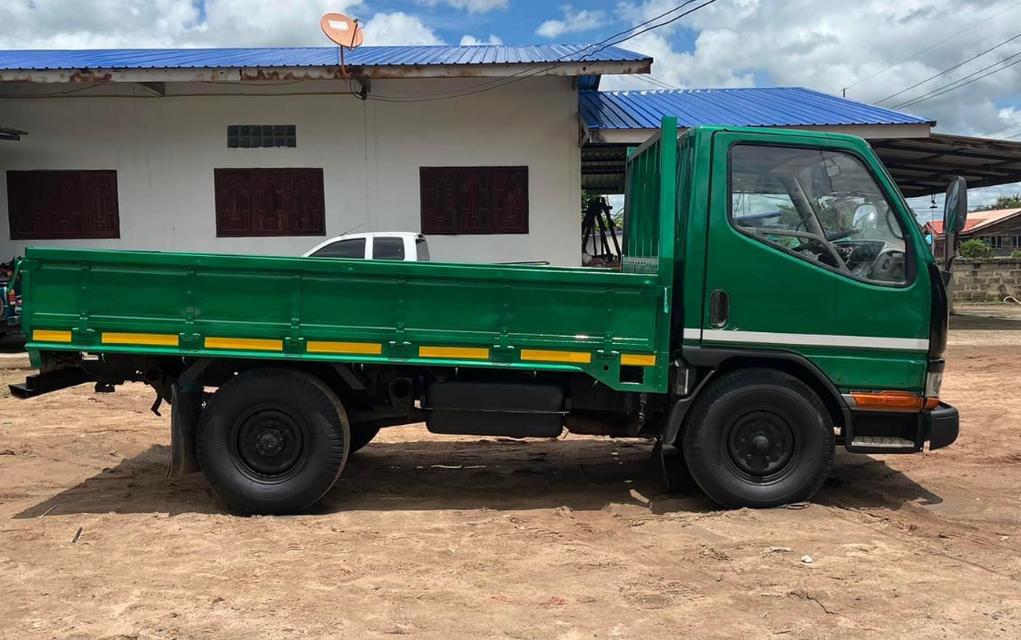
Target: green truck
(775,298)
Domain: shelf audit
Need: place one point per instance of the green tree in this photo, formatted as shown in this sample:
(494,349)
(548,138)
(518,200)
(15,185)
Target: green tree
(975,248)
(1003,202)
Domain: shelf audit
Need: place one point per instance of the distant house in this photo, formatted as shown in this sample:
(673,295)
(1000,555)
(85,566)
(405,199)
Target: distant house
(999,228)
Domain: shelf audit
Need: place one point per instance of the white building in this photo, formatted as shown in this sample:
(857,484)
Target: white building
(270,150)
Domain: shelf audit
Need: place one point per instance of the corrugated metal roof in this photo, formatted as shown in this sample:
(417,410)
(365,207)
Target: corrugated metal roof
(65,59)
(979,220)
(766,107)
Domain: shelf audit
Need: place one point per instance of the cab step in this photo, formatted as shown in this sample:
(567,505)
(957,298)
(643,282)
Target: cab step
(882,444)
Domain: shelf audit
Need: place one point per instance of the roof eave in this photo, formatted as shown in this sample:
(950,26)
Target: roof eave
(868,131)
(243,74)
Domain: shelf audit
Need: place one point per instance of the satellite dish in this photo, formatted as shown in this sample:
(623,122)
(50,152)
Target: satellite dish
(342,30)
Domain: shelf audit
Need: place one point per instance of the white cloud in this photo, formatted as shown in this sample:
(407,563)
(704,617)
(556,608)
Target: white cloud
(177,23)
(574,21)
(468,40)
(50,24)
(471,6)
(398,28)
(829,46)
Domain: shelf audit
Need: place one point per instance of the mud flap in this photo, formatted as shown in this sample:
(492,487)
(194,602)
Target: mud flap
(186,406)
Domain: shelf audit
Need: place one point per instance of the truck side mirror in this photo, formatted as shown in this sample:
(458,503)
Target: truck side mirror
(955,206)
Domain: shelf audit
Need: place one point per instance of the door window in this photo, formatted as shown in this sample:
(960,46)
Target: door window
(820,205)
(388,249)
(352,248)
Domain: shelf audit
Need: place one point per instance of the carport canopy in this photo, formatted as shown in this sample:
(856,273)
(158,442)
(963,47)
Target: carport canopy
(920,161)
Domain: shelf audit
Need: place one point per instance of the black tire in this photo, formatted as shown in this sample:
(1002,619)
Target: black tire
(759,438)
(362,435)
(272,441)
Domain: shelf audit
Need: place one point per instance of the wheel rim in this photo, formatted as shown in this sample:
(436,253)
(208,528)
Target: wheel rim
(269,442)
(761,444)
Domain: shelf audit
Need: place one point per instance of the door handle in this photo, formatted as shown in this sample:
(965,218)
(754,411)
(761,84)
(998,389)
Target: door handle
(719,308)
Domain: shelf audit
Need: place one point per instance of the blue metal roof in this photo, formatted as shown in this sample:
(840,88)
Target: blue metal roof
(767,107)
(40,60)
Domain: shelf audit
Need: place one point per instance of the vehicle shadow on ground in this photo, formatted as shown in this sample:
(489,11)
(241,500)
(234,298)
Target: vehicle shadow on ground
(12,344)
(458,475)
(975,321)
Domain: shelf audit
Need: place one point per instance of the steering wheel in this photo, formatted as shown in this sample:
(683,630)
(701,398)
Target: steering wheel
(840,235)
(888,266)
(812,244)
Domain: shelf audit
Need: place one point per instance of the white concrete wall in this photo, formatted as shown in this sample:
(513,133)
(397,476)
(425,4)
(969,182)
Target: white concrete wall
(165,150)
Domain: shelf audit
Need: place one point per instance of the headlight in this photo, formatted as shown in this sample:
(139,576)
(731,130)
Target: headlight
(933,382)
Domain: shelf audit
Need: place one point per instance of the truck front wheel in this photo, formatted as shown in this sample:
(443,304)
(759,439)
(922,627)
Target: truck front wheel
(272,441)
(759,438)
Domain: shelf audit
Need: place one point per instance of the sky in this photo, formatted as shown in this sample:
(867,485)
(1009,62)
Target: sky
(909,55)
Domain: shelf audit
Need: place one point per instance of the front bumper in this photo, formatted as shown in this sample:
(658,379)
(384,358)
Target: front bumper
(942,425)
(901,432)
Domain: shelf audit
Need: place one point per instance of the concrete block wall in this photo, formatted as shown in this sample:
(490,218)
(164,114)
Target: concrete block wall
(987,280)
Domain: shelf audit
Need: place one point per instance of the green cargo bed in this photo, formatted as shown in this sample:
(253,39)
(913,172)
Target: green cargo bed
(538,318)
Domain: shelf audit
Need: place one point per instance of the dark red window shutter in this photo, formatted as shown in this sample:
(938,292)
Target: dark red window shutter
(475,205)
(233,188)
(474,200)
(62,205)
(269,202)
(510,200)
(439,195)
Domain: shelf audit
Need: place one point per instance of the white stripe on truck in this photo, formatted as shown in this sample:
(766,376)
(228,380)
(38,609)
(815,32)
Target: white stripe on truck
(810,339)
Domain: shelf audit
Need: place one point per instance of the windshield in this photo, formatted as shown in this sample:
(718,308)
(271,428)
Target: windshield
(821,205)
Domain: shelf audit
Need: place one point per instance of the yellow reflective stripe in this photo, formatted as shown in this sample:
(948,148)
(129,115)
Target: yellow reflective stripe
(247,344)
(543,355)
(326,346)
(154,339)
(49,335)
(470,353)
(637,360)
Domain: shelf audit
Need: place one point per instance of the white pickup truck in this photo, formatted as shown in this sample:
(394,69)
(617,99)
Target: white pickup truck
(399,245)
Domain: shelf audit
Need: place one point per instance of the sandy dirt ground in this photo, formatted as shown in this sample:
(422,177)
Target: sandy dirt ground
(439,537)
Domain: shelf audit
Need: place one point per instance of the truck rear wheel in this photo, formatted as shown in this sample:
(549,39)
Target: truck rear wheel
(759,438)
(272,441)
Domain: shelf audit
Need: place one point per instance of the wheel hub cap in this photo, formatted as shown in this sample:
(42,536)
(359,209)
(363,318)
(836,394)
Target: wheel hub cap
(760,443)
(269,442)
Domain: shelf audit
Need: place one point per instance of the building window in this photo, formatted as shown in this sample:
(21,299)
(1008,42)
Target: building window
(1015,242)
(474,200)
(996,242)
(269,202)
(62,205)
(261,136)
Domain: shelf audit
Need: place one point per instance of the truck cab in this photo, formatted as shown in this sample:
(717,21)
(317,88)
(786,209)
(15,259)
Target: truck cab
(775,300)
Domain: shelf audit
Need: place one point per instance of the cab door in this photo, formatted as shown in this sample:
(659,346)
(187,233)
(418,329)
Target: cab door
(809,250)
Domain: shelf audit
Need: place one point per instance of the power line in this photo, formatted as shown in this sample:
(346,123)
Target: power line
(656,82)
(1013,125)
(962,82)
(949,69)
(501,81)
(613,40)
(929,48)
(606,43)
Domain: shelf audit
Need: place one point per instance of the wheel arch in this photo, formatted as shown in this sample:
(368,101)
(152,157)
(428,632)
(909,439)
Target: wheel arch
(720,361)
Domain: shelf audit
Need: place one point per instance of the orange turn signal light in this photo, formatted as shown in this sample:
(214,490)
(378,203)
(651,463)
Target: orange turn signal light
(893,400)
